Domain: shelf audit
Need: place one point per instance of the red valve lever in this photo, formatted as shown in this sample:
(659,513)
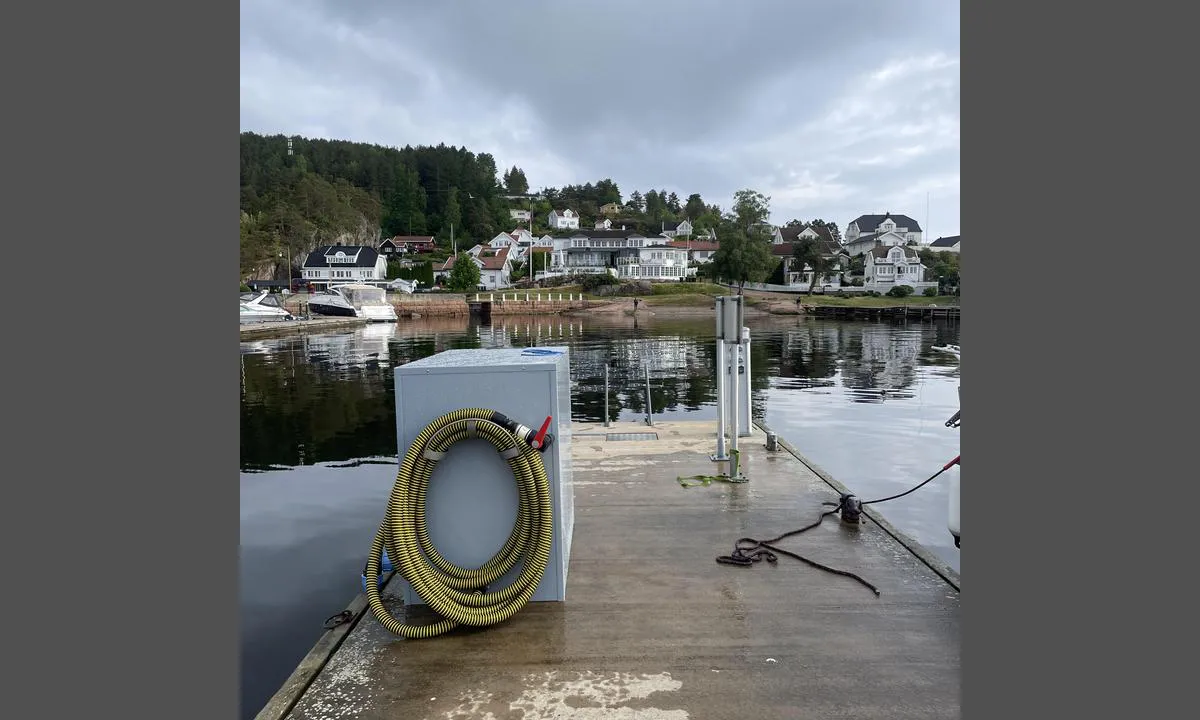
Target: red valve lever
(537,439)
(952,463)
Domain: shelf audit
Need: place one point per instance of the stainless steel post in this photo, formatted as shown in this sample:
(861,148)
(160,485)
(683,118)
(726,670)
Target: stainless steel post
(720,369)
(743,370)
(732,385)
(649,402)
(605,394)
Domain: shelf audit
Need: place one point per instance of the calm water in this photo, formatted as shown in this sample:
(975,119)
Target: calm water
(865,401)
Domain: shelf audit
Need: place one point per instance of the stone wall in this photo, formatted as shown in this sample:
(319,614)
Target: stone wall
(429,304)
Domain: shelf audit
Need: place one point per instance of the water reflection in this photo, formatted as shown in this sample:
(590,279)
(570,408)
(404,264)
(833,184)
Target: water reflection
(312,398)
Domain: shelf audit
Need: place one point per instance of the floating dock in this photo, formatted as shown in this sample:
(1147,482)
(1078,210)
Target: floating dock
(654,627)
(270,328)
(895,312)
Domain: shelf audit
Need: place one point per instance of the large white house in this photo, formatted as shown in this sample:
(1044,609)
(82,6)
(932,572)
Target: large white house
(564,220)
(869,231)
(626,254)
(887,267)
(344,264)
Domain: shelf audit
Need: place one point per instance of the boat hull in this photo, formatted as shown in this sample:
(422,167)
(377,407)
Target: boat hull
(378,313)
(331,310)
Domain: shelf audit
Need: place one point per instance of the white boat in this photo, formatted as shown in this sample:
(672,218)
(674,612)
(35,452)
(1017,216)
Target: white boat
(404,286)
(354,300)
(262,307)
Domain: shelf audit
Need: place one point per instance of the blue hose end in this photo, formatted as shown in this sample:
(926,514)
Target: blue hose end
(385,568)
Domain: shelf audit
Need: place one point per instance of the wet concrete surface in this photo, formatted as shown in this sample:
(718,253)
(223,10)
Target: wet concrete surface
(653,627)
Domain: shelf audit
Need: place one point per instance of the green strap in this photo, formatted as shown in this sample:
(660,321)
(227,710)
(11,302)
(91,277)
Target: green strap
(706,480)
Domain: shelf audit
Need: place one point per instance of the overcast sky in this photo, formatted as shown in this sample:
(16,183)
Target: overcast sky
(833,108)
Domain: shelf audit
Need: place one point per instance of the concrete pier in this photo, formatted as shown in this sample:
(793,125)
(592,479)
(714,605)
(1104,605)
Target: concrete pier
(654,627)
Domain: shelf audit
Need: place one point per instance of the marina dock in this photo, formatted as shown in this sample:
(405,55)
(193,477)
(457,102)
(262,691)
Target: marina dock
(271,328)
(654,627)
(895,312)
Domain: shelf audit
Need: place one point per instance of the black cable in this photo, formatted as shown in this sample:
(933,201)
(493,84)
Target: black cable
(850,507)
(945,467)
(765,550)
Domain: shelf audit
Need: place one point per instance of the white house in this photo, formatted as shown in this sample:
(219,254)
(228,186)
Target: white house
(869,231)
(887,267)
(495,266)
(783,245)
(945,244)
(626,254)
(522,215)
(343,264)
(564,220)
(605,224)
(791,234)
(682,228)
(699,251)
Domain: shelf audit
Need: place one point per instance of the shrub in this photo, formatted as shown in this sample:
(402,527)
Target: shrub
(856,282)
(930,292)
(591,282)
(245,288)
(900,291)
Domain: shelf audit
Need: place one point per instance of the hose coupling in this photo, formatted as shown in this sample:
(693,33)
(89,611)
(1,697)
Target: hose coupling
(539,440)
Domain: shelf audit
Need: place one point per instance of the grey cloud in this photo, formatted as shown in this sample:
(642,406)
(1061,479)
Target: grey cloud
(699,96)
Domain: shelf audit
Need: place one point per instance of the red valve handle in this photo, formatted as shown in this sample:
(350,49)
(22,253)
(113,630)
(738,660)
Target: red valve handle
(537,439)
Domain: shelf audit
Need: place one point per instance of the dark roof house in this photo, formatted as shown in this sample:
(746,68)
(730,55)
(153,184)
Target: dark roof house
(869,223)
(342,256)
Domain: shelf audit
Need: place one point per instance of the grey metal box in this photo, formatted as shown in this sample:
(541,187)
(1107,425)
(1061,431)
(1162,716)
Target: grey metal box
(472,498)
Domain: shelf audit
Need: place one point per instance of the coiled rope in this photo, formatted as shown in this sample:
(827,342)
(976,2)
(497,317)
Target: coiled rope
(461,595)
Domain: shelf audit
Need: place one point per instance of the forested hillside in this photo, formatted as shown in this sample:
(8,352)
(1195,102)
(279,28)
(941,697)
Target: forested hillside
(335,190)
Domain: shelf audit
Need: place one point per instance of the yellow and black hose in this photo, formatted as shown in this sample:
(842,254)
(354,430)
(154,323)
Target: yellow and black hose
(459,594)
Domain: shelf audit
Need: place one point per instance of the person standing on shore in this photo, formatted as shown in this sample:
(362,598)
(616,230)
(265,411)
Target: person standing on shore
(635,304)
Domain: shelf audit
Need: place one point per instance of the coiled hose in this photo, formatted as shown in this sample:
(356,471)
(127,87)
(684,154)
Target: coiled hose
(459,594)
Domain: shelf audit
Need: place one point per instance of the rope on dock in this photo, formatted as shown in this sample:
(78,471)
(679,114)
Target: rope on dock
(747,551)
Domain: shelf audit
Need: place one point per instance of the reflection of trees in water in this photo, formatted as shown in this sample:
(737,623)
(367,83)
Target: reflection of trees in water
(305,404)
(680,368)
(330,397)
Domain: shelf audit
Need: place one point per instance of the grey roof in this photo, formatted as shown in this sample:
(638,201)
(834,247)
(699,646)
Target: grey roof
(870,222)
(950,241)
(791,234)
(864,238)
(607,234)
(881,252)
(366,256)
